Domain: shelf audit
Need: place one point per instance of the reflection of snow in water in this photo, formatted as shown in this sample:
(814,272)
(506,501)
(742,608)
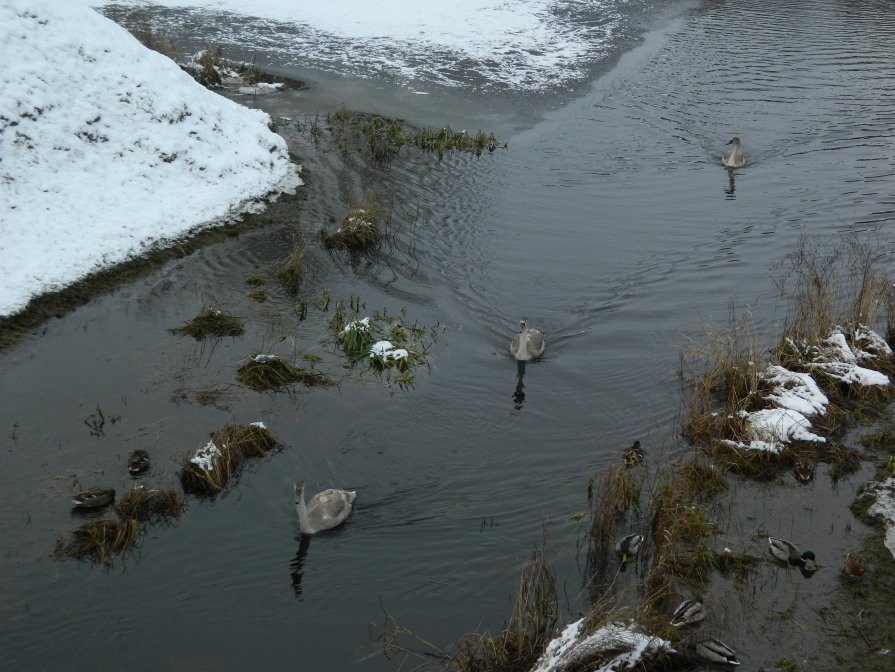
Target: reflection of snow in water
(520,44)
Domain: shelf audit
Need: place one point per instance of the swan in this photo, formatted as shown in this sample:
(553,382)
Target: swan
(733,158)
(326,510)
(528,343)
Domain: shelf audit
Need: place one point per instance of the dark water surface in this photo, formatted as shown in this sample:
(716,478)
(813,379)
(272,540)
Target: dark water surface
(609,223)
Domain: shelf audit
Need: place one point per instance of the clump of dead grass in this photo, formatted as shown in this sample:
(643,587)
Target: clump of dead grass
(292,272)
(211,323)
(150,506)
(526,634)
(209,470)
(268,372)
(359,229)
(99,540)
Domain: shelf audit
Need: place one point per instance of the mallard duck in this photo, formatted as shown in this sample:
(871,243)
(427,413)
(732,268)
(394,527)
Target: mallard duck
(715,651)
(733,158)
(804,470)
(138,462)
(787,552)
(688,613)
(325,510)
(93,498)
(528,343)
(633,455)
(628,547)
(853,566)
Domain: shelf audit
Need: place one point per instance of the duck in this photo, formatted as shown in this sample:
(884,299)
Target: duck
(689,612)
(853,567)
(324,511)
(804,470)
(138,462)
(715,651)
(629,546)
(633,455)
(787,552)
(528,344)
(733,158)
(93,498)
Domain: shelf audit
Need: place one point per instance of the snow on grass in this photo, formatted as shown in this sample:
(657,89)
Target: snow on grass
(205,457)
(617,646)
(108,149)
(796,396)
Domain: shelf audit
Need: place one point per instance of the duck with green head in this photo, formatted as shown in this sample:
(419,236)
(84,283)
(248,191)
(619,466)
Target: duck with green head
(787,552)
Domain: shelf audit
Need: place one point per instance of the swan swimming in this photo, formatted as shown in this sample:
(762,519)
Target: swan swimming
(733,158)
(528,343)
(325,510)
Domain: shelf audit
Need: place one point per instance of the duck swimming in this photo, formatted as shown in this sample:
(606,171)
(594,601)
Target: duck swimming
(138,462)
(93,498)
(787,552)
(325,510)
(528,344)
(733,158)
(688,612)
(715,651)
(633,455)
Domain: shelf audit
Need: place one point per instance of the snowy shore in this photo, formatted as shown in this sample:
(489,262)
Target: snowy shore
(108,149)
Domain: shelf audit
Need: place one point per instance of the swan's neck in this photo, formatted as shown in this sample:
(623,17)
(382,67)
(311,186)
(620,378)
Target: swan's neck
(303,523)
(523,340)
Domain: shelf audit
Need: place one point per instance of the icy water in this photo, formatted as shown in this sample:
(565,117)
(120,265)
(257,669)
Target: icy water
(609,223)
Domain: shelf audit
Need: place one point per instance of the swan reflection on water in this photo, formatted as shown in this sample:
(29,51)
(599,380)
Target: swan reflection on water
(731,187)
(297,564)
(519,394)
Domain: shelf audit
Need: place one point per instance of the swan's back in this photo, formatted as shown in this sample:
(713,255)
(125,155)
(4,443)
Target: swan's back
(324,511)
(733,158)
(527,344)
(331,507)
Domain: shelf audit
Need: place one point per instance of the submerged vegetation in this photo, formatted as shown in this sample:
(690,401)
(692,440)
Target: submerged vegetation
(211,323)
(268,372)
(384,138)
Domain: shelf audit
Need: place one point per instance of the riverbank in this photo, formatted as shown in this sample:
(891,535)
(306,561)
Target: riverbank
(607,224)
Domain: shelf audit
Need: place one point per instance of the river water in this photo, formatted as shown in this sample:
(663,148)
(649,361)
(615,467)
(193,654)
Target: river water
(607,221)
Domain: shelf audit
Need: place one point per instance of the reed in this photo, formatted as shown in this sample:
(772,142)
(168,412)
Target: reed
(150,506)
(291,273)
(268,372)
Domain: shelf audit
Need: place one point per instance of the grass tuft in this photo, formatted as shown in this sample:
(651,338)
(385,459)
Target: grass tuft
(292,272)
(209,470)
(211,323)
(150,506)
(268,372)
(359,230)
(99,540)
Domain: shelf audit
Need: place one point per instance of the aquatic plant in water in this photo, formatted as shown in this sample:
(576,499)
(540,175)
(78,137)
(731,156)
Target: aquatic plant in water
(268,372)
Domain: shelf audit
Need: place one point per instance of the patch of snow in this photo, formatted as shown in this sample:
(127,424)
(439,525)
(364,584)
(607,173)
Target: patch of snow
(795,391)
(357,325)
(260,359)
(385,351)
(571,649)
(205,457)
(884,508)
(259,425)
(839,360)
(109,149)
(781,425)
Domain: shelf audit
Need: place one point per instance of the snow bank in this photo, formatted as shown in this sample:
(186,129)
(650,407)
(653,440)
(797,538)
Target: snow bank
(884,508)
(108,148)
(615,646)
